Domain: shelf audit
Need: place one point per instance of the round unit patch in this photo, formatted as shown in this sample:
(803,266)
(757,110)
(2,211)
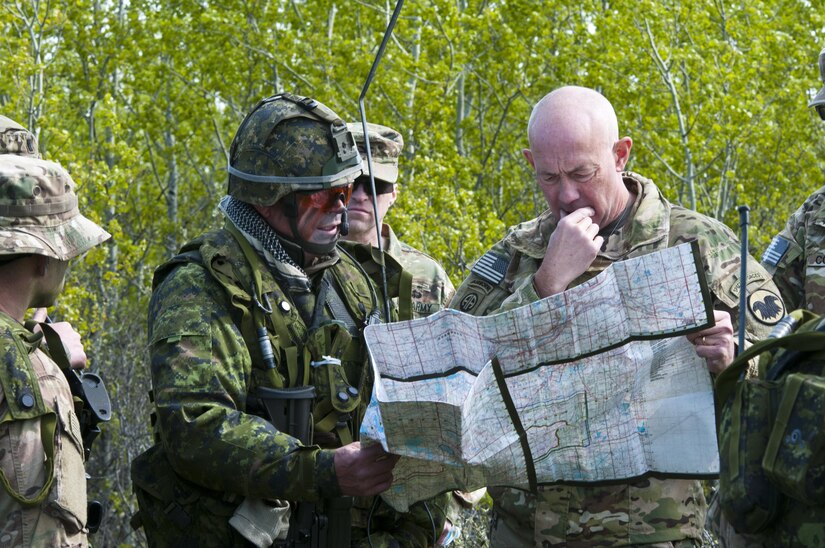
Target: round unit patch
(766,306)
(468,302)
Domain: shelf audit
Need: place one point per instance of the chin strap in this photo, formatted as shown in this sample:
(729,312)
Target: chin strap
(291,212)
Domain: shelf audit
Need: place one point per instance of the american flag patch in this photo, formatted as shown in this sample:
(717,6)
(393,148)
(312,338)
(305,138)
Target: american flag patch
(491,267)
(779,246)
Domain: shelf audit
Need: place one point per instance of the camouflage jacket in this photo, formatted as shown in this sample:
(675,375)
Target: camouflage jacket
(426,288)
(796,256)
(209,441)
(36,405)
(649,510)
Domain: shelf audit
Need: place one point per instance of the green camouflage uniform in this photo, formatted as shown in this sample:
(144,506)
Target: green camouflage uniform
(645,511)
(213,451)
(796,256)
(43,490)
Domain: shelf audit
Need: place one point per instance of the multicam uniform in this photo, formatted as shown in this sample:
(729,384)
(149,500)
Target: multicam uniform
(796,256)
(42,477)
(41,452)
(426,285)
(649,510)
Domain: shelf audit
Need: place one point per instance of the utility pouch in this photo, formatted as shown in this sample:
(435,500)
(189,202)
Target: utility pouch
(750,502)
(795,454)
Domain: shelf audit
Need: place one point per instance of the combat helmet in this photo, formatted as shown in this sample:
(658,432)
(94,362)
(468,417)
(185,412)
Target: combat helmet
(287,144)
(15,139)
(818,101)
(38,211)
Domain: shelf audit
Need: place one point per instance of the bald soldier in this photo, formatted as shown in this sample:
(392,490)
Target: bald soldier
(427,289)
(599,214)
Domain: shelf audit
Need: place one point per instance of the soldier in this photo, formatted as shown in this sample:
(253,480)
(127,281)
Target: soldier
(600,214)
(796,256)
(43,494)
(428,289)
(267,303)
(421,290)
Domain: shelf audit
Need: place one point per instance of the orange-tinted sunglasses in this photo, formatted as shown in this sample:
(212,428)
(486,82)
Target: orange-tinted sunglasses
(326,200)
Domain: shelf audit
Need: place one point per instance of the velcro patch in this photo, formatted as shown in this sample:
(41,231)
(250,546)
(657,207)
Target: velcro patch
(779,246)
(491,267)
(766,306)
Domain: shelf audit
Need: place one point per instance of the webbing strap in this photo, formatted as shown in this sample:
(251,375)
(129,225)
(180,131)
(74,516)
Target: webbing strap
(405,296)
(297,363)
(808,341)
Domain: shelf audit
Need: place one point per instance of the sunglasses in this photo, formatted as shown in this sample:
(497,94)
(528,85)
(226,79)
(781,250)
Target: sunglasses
(326,200)
(381,187)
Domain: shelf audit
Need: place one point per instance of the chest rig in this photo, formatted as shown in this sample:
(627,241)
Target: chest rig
(297,334)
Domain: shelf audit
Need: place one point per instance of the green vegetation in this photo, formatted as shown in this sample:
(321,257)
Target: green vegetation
(140,99)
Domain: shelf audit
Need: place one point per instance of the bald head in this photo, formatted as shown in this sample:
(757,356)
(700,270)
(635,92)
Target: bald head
(577,154)
(577,111)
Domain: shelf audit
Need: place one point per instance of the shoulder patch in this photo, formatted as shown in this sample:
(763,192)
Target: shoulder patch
(491,267)
(779,246)
(766,306)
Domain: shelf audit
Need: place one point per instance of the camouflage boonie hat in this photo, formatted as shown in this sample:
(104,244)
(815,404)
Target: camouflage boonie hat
(385,148)
(819,99)
(289,143)
(15,139)
(38,211)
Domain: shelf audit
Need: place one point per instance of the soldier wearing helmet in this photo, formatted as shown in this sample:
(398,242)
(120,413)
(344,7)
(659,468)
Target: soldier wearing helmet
(796,260)
(267,302)
(43,493)
(796,256)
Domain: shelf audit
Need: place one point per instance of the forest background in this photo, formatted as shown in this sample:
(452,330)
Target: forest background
(140,99)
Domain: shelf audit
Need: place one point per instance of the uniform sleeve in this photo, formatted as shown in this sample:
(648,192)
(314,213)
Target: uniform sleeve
(720,251)
(785,260)
(201,374)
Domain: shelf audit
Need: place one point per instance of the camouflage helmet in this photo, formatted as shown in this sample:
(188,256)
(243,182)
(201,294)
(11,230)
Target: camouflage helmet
(15,139)
(38,211)
(289,143)
(818,101)
(385,148)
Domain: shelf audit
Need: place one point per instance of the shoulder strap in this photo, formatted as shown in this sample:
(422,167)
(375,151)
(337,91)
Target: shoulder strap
(800,342)
(25,402)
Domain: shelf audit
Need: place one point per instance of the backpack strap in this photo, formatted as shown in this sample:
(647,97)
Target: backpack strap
(808,338)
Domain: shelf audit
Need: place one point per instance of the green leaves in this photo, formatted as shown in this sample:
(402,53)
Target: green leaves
(141,99)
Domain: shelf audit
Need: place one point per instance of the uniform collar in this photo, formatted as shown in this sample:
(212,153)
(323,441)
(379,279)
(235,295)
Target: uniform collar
(648,224)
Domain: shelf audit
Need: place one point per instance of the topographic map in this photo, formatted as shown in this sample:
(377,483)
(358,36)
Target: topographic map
(589,385)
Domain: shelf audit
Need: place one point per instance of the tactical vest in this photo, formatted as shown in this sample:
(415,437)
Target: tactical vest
(293,340)
(299,349)
(772,436)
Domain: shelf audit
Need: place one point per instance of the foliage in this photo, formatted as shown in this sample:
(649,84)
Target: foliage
(140,98)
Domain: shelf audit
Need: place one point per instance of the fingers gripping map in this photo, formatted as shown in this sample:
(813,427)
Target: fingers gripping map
(589,385)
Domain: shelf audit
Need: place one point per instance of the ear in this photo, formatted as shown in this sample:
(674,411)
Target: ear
(529,156)
(393,195)
(622,152)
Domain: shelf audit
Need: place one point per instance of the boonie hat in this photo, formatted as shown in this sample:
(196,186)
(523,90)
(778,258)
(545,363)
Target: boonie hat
(385,148)
(38,211)
(15,139)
